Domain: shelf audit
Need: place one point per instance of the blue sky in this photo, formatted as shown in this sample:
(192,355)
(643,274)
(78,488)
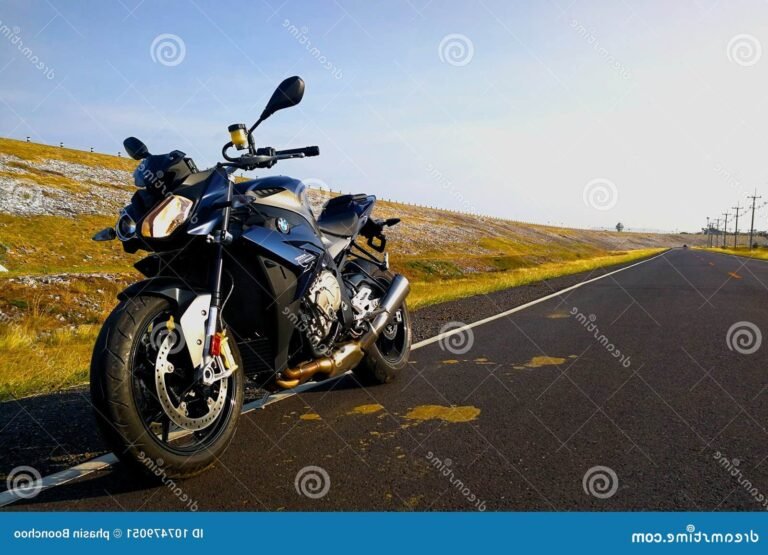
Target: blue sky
(582,113)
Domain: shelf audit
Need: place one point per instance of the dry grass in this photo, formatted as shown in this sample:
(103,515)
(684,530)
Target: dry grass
(41,152)
(47,330)
(424,293)
(33,367)
(57,244)
(759,253)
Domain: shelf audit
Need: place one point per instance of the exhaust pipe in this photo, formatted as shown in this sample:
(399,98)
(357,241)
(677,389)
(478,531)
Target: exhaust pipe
(388,306)
(349,355)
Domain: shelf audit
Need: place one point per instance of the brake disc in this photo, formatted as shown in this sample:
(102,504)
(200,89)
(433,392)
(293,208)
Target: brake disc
(179,415)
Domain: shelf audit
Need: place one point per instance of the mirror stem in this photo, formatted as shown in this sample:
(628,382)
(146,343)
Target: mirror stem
(255,125)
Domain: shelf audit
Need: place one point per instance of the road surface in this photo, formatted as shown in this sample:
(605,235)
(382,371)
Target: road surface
(645,390)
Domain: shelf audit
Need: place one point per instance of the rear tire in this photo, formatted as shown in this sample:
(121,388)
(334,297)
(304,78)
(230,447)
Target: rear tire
(386,359)
(118,409)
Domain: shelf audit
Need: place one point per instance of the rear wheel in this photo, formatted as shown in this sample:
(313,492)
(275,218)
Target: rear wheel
(389,355)
(152,411)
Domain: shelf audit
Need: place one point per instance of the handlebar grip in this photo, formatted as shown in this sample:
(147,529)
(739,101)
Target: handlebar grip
(306,151)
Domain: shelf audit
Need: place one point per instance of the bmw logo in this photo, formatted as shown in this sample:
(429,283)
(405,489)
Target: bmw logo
(282,225)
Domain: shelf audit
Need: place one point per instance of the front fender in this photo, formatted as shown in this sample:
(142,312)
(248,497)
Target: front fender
(192,306)
(169,288)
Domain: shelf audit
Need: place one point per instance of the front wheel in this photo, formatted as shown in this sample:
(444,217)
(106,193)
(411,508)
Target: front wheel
(151,410)
(389,354)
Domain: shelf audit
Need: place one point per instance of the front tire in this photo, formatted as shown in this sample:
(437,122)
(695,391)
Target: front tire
(128,412)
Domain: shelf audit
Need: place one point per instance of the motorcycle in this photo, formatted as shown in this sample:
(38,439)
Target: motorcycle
(243,282)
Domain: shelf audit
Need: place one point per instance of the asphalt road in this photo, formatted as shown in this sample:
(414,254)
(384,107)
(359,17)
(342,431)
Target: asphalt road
(531,411)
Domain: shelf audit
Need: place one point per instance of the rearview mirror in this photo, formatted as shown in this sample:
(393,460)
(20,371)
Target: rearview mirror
(135,148)
(106,234)
(287,94)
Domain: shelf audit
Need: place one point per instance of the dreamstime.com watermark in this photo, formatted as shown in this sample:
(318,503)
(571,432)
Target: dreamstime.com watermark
(744,337)
(168,50)
(732,467)
(302,37)
(601,194)
(588,323)
(305,328)
(691,535)
(156,468)
(313,482)
(444,468)
(728,176)
(603,52)
(13,35)
(24,482)
(744,50)
(456,50)
(600,481)
(318,192)
(458,339)
(448,186)
(31,198)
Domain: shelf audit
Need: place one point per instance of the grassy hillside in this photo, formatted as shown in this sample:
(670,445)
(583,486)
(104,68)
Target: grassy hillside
(60,285)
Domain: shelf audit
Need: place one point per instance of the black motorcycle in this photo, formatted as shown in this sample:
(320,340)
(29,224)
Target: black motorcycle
(244,282)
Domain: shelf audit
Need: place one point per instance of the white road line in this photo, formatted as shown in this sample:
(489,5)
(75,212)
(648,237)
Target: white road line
(94,465)
(506,313)
(105,461)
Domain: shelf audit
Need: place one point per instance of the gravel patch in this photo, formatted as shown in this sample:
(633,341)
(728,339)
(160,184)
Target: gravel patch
(101,190)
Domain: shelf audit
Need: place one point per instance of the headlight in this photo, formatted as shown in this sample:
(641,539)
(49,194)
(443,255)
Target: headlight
(166,217)
(125,228)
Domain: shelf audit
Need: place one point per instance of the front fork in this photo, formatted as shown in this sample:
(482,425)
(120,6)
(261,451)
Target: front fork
(212,347)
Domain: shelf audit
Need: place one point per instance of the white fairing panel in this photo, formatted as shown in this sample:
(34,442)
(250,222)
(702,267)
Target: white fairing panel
(193,327)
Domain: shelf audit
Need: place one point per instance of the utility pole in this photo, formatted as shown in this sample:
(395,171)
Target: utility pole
(709,232)
(717,229)
(736,230)
(752,224)
(725,229)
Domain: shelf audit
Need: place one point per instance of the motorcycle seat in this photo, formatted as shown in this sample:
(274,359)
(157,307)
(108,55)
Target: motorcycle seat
(339,217)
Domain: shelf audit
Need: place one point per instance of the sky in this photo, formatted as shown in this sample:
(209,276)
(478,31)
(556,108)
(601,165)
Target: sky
(573,113)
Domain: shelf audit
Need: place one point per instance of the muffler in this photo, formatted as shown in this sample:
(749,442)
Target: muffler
(349,355)
(388,306)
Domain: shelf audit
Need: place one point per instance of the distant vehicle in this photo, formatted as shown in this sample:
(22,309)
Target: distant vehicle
(685,246)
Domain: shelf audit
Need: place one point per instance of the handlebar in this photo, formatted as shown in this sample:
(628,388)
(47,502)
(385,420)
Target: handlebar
(267,157)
